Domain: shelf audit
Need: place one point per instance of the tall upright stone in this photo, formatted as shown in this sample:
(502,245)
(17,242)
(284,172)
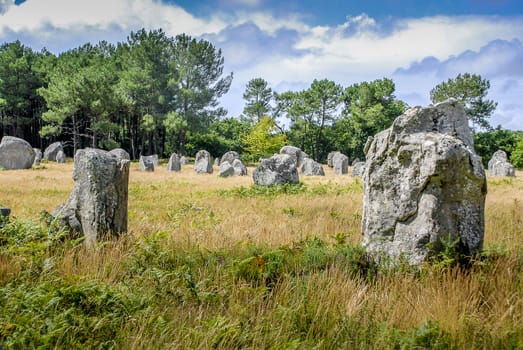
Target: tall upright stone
(38,156)
(15,153)
(146,163)
(239,168)
(203,162)
(499,165)
(174,163)
(52,150)
(424,185)
(340,163)
(60,157)
(98,203)
(276,170)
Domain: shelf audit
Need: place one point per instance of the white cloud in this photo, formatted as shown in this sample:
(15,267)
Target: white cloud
(37,15)
(283,48)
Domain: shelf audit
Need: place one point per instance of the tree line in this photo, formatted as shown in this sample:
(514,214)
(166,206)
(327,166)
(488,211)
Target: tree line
(159,94)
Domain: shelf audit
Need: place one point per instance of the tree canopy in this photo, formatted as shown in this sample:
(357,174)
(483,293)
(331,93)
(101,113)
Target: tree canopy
(471,90)
(159,94)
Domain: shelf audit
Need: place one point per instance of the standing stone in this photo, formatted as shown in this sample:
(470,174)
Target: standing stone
(15,153)
(217,161)
(52,150)
(340,163)
(276,170)
(312,168)
(239,168)
(174,163)
(226,169)
(146,163)
(297,154)
(499,165)
(230,157)
(356,161)
(60,157)
(423,185)
(152,158)
(120,153)
(98,203)
(184,160)
(329,158)
(358,169)
(203,163)
(38,156)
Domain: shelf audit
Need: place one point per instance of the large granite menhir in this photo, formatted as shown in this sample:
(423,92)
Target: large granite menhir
(98,203)
(423,185)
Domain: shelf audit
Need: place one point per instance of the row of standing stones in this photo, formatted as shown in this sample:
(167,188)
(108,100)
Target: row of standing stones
(423,184)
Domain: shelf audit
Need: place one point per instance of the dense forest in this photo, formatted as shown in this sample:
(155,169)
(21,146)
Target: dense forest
(159,94)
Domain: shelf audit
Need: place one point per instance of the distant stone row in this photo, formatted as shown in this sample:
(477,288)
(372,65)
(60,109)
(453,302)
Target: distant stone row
(16,153)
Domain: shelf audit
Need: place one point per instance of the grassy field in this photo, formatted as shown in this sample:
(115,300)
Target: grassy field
(214,262)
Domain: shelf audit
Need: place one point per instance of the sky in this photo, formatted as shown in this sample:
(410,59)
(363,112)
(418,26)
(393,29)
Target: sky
(416,43)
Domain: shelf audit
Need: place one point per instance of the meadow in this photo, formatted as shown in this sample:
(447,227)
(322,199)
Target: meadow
(217,263)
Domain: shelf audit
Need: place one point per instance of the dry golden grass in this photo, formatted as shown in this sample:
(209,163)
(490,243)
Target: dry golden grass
(478,306)
(188,205)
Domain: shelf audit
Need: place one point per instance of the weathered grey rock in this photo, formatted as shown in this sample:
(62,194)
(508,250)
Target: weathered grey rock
(217,161)
(499,165)
(340,163)
(423,184)
(152,158)
(60,157)
(329,158)
(239,168)
(174,163)
(226,169)
(52,150)
(358,169)
(184,160)
(120,153)
(38,156)
(146,163)
(230,157)
(276,170)
(98,203)
(312,168)
(15,153)
(297,154)
(355,161)
(203,162)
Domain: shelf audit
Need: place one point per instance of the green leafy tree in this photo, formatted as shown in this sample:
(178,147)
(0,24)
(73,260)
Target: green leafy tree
(264,139)
(471,90)
(20,105)
(488,142)
(145,65)
(80,97)
(311,112)
(197,81)
(516,158)
(258,97)
(369,107)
